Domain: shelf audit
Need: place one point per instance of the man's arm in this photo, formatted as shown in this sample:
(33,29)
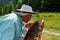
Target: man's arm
(7,30)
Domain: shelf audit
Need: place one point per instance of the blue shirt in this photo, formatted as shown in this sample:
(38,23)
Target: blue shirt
(11,27)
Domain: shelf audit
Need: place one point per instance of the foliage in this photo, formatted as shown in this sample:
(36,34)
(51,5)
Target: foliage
(18,4)
(0,9)
(44,5)
(33,3)
(7,8)
(40,5)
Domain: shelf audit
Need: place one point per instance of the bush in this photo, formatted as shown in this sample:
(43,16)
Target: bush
(7,8)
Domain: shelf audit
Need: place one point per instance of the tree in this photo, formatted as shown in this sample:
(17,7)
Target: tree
(18,4)
(35,4)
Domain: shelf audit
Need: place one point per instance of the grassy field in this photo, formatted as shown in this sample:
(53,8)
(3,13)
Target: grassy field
(0,16)
(46,36)
(52,21)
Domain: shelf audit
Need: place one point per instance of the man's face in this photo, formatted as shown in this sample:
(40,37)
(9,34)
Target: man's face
(26,17)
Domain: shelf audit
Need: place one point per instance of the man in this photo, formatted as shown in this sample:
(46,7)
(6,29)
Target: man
(11,24)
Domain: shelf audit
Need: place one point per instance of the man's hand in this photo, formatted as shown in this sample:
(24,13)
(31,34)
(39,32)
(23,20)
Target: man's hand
(28,25)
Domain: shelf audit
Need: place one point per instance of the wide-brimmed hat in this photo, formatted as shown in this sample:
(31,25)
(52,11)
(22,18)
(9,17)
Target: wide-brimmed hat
(26,9)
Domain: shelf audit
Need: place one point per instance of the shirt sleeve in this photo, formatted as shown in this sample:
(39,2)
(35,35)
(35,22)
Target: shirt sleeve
(7,30)
(11,27)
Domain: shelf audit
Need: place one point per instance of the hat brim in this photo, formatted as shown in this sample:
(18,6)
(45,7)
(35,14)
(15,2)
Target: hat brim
(19,10)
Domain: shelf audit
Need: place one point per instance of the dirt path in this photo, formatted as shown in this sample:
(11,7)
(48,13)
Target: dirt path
(50,32)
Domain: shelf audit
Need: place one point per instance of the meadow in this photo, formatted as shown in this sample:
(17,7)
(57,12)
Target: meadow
(46,36)
(52,21)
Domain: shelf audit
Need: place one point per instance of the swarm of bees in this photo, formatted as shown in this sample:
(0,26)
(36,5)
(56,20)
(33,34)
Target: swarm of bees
(35,31)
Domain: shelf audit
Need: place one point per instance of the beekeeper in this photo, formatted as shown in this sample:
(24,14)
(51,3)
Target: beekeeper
(12,26)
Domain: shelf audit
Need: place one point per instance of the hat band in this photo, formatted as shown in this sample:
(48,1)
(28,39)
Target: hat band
(25,12)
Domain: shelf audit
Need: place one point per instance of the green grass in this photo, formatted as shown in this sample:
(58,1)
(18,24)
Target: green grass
(52,21)
(46,36)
